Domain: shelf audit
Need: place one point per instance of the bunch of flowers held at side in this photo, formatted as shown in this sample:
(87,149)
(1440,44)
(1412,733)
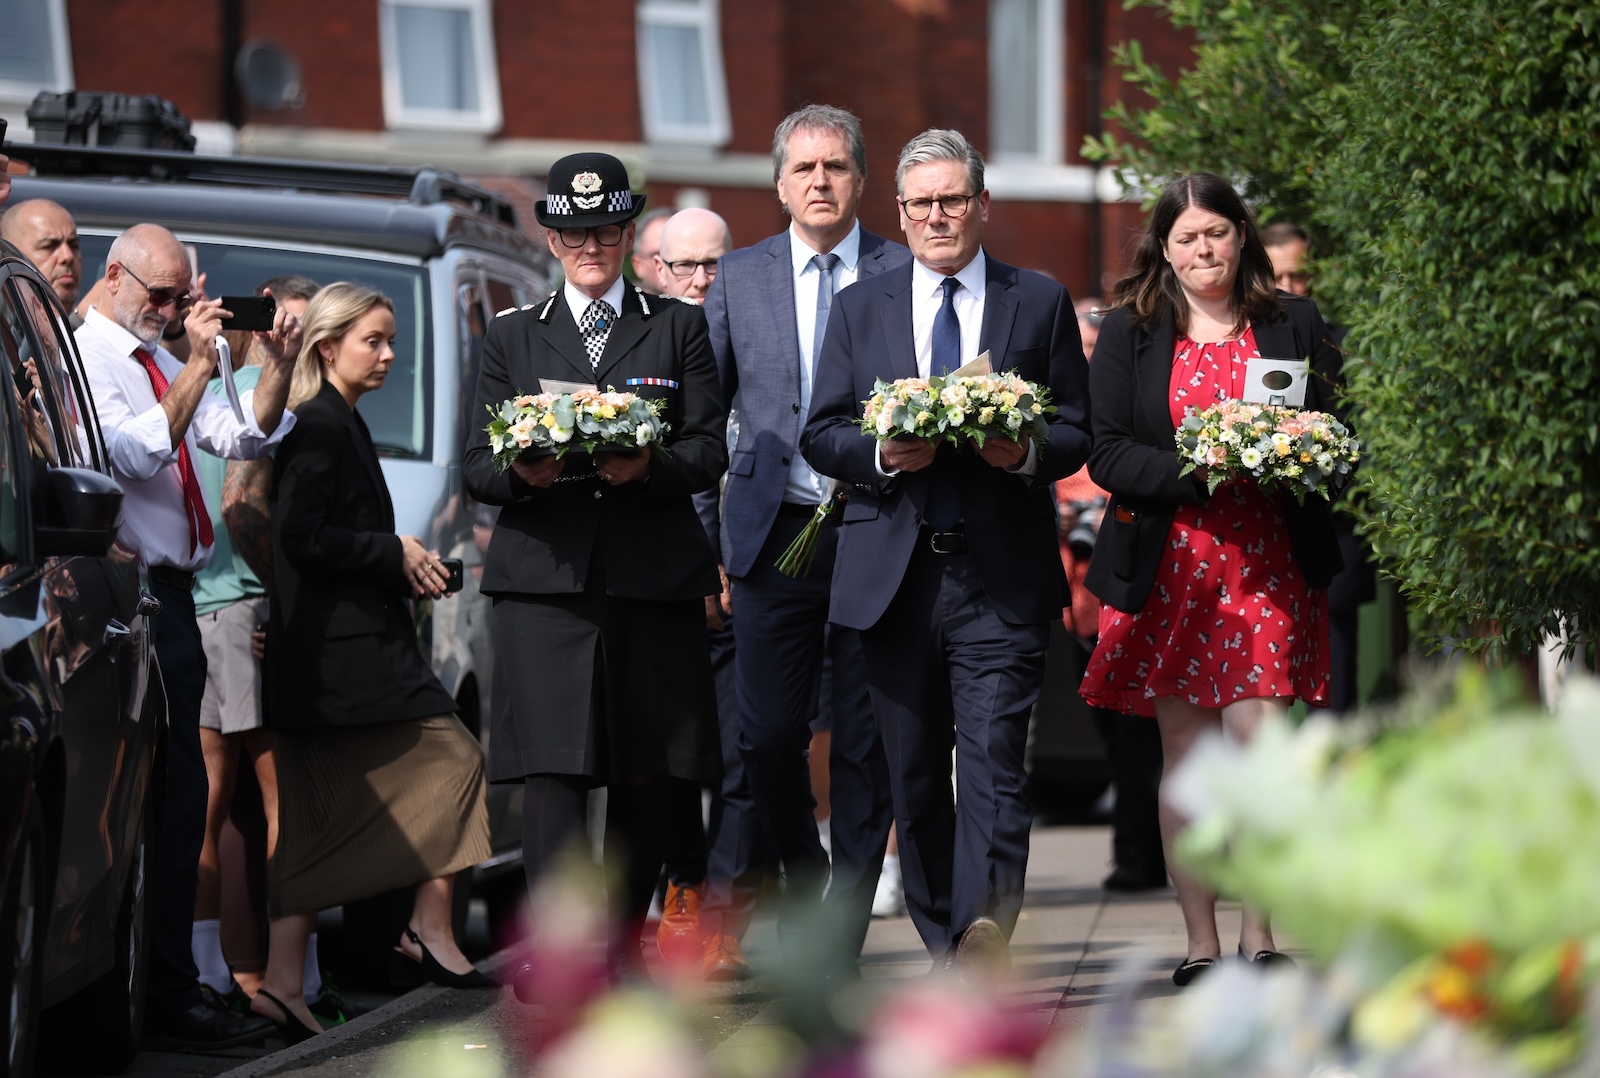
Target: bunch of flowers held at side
(1297,450)
(586,419)
(1454,855)
(978,407)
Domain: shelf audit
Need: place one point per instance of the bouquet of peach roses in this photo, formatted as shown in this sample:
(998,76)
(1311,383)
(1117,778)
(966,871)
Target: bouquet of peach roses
(584,419)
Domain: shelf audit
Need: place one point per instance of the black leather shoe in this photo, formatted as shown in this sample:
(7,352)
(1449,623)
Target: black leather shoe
(332,1009)
(235,999)
(204,1027)
(291,1029)
(1265,959)
(982,953)
(1191,969)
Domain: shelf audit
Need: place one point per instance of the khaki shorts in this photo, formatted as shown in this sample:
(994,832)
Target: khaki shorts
(232,703)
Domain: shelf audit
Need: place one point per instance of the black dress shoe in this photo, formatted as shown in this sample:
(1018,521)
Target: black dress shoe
(1267,958)
(332,1009)
(982,953)
(1191,969)
(204,1027)
(436,973)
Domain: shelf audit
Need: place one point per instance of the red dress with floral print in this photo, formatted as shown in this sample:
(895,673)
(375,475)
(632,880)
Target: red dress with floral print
(1230,617)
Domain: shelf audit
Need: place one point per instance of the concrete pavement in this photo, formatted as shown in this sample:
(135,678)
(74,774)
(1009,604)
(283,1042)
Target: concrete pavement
(1067,952)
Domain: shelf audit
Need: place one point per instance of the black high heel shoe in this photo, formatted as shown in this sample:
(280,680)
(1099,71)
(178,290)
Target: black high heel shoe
(438,975)
(291,1029)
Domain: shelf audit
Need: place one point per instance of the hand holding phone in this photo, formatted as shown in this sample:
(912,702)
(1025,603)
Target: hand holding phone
(455,574)
(250,312)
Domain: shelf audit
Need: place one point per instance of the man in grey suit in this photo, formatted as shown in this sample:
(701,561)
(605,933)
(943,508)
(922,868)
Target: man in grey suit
(767,311)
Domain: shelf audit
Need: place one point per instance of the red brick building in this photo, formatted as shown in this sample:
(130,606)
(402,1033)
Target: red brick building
(686,91)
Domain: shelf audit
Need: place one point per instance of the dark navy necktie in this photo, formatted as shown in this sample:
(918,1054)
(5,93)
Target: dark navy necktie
(943,507)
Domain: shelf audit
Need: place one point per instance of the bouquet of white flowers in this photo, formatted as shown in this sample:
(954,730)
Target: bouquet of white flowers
(979,407)
(585,419)
(1300,451)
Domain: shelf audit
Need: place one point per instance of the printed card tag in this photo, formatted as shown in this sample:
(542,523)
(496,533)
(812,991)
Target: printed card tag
(979,366)
(552,385)
(1279,382)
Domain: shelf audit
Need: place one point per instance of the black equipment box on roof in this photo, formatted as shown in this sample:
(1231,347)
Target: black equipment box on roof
(79,118)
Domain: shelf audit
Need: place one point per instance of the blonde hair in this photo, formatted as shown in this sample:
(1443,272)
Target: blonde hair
(332,313)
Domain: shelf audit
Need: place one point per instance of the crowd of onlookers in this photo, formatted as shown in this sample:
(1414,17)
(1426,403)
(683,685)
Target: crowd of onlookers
(856,731)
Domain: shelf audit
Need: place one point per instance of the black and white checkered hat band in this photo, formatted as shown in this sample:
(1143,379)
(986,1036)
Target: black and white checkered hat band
(616,202)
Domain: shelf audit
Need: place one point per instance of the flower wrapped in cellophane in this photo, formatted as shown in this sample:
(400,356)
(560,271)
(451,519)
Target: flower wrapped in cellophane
(584,419)
(955,408)
(1296,450)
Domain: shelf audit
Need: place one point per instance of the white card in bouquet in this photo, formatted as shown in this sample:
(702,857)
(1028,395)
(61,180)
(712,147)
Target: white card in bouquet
(225,372)
(1276,381)
(975,368)
(558,388)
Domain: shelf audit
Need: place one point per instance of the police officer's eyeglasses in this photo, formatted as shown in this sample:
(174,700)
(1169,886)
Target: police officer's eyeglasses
(686,269)
(605,235)
(918,209)
(160,297)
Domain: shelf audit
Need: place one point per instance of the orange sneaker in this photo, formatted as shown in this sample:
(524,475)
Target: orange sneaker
(723,959)
(678,934)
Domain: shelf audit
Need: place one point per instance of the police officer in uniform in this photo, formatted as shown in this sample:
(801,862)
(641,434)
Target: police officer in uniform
(598,567)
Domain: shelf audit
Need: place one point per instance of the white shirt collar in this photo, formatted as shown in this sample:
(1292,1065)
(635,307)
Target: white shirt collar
(848,249)
(119,337)
(974,276)
(578,302)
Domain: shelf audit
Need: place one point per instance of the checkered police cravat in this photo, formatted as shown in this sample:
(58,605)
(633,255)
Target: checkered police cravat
(595,325)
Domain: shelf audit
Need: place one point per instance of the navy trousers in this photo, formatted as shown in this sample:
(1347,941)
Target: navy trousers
(948,673)
(174,982)
(781,630)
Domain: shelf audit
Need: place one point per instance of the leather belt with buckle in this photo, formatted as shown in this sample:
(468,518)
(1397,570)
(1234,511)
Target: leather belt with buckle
(173,578)
(946,542)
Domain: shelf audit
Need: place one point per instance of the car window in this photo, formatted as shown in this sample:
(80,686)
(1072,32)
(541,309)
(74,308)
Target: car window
(55,395)
(400,415)
(12,522)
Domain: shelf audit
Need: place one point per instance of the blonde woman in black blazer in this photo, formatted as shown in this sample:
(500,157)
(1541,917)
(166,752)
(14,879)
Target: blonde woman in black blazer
(380,786)
(1216,609)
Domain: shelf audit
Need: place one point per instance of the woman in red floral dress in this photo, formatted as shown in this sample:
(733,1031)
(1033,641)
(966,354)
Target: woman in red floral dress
(1215,606)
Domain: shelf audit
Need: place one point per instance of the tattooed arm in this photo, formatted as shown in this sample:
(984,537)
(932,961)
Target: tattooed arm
(246,515)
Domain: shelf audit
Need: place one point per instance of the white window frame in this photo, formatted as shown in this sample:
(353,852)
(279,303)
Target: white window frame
(704,16)
(1051,43)
(487,118)
(60,52)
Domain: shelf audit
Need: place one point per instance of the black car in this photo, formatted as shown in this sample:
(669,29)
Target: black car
(82,712)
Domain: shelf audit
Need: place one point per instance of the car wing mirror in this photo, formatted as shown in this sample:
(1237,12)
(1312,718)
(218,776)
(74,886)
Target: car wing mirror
(75,513)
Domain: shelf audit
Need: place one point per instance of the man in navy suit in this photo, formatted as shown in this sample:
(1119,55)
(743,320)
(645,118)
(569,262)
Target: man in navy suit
(947,560)
(767,310)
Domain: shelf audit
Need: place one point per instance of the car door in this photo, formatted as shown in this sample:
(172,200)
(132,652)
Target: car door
(98,653)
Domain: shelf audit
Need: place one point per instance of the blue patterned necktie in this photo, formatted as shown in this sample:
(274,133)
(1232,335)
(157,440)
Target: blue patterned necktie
(825,284)
(943,507)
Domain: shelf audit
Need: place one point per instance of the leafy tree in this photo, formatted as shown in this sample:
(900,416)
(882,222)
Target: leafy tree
(1444,153)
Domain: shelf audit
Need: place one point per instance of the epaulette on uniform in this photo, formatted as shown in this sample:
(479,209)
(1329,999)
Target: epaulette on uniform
(549,305)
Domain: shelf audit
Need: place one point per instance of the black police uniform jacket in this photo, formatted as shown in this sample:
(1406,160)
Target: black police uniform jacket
(639,541)
(341,645)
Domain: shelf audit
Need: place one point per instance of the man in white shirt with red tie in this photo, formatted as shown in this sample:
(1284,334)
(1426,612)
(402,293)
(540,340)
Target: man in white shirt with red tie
(156,415)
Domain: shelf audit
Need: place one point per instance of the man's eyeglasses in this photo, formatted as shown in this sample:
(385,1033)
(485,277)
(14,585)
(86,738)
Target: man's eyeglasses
(605,235)
(687,268)
(918,209)
(160,297)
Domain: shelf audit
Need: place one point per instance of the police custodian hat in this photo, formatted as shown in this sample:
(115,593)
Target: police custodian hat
(588,190)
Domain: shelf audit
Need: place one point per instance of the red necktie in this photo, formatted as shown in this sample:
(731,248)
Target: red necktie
(199,519)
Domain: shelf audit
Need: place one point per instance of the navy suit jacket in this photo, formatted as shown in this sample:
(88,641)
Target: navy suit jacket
(750,312)
(1028,326)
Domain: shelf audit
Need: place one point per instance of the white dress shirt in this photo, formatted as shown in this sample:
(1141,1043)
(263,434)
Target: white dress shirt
(927,296)
(155,520)
(806,487)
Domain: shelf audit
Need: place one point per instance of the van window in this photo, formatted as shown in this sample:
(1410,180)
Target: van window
(400,415)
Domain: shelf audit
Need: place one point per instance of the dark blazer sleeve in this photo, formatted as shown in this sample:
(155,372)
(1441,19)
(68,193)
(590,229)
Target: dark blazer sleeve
(832,442)
(483,482)
(311,462)
(696,454)
(1129,459)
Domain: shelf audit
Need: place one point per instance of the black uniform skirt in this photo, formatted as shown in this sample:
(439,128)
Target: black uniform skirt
(601,686)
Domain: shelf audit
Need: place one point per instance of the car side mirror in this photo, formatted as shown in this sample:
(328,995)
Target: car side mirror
(76,513)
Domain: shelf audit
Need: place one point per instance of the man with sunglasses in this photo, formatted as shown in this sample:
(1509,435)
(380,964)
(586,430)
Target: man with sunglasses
(598,567)
(948,562)
(156,416)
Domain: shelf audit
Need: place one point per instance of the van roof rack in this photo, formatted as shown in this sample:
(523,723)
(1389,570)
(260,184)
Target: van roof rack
(421,186)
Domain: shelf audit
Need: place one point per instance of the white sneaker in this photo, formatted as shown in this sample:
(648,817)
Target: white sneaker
(890,899)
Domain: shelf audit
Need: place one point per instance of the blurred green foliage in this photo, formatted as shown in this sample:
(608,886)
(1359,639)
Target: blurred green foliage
(1445,156)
